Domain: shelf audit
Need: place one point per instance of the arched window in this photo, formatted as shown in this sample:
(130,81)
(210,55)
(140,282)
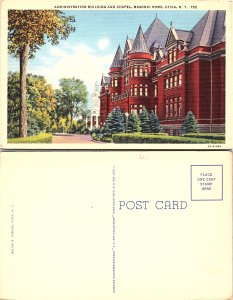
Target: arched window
(140,71)
(140,90)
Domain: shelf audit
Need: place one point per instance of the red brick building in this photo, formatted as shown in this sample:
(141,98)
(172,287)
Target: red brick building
(171,71)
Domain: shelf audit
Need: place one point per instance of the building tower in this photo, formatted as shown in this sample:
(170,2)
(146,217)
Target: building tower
(95,107)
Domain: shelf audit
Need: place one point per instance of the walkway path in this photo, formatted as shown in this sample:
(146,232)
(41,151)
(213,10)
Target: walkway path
(72,138)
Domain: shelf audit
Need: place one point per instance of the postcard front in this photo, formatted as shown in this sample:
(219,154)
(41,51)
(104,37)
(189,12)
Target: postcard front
(116,75)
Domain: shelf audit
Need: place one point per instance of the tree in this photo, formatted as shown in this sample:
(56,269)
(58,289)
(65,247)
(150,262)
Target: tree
(41,104)
(133,123)
(71,98)
(114,122)
(28,30)
(155,124)
(145,120)
(190,124)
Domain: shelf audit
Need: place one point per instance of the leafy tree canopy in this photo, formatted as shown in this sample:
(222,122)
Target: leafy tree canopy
(34,27)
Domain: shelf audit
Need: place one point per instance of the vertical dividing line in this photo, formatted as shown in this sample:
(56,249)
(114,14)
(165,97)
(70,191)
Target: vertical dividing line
(113,231)
(211,94)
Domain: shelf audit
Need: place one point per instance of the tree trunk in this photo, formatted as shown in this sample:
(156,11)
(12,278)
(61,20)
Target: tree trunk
(23,90)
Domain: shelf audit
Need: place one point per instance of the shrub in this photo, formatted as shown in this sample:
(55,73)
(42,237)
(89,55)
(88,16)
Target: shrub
(137,138)
(145,121)
(133,124)
(211,136)
(190,124)
(106,139)
(155,124)
(40,138)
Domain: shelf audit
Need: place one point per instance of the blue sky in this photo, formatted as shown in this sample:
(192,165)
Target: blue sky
(89,51)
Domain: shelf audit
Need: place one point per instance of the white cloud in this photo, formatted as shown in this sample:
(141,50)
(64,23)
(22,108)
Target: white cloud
(103,43)
(80,62)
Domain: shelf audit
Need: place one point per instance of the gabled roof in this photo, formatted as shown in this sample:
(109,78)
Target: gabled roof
(117,61)
(105,80)
(158,32)
(139,44)
(175,35)
(209,30)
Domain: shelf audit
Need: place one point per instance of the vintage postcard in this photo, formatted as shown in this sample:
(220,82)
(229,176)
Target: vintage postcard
(151,225)
(116,75)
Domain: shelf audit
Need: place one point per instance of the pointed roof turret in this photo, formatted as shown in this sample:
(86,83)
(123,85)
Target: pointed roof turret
(117,61)
(128,44)
(156,31)
(139,44)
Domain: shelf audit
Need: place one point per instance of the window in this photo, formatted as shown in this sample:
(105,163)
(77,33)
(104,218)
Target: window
(180,79)
(174,54)
(175,108)
(135,71)
(167,84)
(175,81)
(171,82)
(140,71)
(140,90)
(135,90)
(156,91)
(115,82)
(156,109)
(131,91)
(126,79)
(180,106)
(169,56)
(167,108)
(146,71)
(171,108)
(146,90)
(131,72)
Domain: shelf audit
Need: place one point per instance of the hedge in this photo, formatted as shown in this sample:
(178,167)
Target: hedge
(40,138)
(211,136)
(138,138)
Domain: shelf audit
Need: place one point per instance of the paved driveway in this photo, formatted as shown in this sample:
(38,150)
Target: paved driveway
(72,138)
